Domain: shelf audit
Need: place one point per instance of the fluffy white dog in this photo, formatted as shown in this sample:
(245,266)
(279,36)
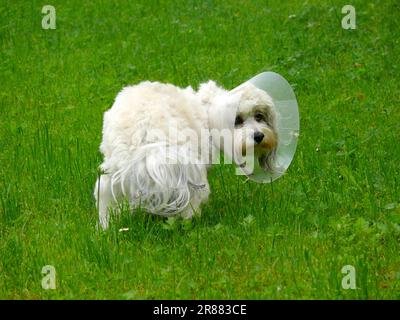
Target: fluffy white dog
(159,140)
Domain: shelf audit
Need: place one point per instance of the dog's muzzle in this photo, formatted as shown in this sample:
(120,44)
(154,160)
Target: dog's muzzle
(266,139)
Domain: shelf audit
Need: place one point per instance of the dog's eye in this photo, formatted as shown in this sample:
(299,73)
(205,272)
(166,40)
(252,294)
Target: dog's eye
(238,121)
(259,117)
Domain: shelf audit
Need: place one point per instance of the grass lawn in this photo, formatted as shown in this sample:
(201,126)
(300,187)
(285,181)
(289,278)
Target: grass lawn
(338,205)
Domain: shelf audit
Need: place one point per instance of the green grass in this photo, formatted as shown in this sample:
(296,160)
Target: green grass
(339,203)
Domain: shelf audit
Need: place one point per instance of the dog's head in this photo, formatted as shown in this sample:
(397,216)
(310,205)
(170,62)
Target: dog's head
(249,114)
(255,128)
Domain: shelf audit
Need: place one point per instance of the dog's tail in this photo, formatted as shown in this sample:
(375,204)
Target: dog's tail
(160,178)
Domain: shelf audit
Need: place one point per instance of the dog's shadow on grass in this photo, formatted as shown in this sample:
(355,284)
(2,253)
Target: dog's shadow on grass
(138,225)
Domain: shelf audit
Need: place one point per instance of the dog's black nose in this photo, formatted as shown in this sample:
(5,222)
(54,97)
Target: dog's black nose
(258,137)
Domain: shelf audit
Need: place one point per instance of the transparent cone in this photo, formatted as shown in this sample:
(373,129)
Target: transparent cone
(288,124)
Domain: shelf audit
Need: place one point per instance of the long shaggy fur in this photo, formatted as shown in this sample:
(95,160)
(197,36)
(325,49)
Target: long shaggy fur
(147,166)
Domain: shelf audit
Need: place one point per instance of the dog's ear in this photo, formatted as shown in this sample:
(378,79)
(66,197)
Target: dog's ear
(267,162)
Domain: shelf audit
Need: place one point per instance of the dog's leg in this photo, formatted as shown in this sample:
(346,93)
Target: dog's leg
(197,198)
(104,199)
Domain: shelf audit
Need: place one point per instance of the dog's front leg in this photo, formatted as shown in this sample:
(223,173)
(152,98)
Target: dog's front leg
(199,195)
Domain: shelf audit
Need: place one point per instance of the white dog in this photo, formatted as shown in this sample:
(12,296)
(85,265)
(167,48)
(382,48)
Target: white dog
(159,140)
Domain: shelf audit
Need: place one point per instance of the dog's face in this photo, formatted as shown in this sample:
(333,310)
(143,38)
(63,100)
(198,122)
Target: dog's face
(255,132)
(250,113)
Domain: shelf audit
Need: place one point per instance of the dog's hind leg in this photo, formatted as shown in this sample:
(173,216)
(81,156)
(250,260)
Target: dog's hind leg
(104,199)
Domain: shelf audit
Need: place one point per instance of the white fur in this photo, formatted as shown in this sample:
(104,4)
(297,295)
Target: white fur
(145,165)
